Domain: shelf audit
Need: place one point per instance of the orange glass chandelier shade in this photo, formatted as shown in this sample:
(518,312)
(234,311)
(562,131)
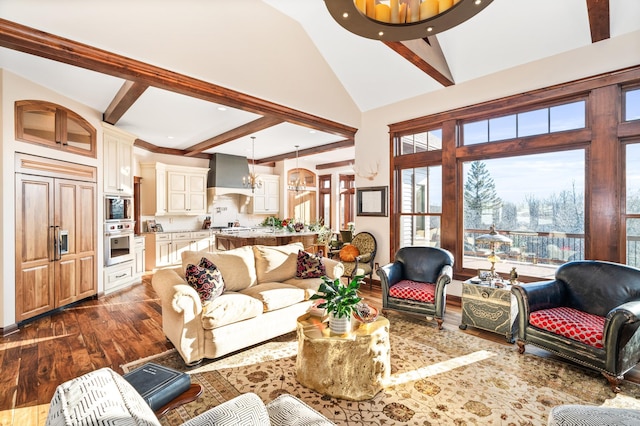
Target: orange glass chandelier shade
(398,20)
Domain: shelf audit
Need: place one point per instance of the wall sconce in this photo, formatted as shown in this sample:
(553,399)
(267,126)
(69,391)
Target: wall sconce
(398,20)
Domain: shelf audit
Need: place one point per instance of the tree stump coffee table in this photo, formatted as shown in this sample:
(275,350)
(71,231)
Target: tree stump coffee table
(353,367)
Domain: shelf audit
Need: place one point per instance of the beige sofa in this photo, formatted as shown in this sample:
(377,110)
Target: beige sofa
(262,300)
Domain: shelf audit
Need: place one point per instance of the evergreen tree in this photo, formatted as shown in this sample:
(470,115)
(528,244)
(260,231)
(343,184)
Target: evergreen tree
(479,196)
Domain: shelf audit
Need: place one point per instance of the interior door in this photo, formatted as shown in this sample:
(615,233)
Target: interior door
(35,273)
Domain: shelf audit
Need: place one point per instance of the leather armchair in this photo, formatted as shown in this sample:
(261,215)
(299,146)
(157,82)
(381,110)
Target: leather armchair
(416,281)
(607,290)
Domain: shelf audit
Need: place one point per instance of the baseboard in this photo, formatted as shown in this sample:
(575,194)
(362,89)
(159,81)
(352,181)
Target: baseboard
(10,329)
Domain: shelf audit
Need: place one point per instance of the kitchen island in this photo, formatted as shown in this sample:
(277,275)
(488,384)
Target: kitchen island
(233,239)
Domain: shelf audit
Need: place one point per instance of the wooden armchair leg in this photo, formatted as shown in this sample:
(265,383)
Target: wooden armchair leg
(440,321)
(520,346)
(614,381)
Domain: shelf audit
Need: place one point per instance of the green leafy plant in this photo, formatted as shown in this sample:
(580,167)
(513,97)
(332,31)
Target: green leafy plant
(338,299)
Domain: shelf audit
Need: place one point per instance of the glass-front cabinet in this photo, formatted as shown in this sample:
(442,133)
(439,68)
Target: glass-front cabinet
(55,126)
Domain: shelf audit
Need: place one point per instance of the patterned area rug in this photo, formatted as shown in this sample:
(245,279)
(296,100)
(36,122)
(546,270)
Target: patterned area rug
(437,378)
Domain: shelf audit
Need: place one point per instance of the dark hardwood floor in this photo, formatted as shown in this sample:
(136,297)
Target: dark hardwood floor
(109,332)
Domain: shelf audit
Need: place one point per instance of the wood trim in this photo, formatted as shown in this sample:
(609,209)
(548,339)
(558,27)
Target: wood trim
(39,43)
(427,55)
(309,151)
(343,163)
(233,134)
(124,99)
(599,19)
(139,143)
(31,164)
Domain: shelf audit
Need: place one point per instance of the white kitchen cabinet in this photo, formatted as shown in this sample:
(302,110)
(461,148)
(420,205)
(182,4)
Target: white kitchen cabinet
(166,248)
(139,261)
(117,160)
(173,190)
(118,276)
(266,200)
(187,191)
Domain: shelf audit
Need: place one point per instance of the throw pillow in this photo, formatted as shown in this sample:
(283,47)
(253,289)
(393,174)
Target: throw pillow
(349,253)
(309,266)
(206,279)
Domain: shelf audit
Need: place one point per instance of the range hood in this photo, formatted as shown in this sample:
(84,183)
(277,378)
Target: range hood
(225,176)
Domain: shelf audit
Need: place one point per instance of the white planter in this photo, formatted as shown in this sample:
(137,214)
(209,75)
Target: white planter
(339,325)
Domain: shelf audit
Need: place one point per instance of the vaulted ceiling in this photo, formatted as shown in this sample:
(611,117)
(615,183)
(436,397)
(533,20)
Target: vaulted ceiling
(194,77)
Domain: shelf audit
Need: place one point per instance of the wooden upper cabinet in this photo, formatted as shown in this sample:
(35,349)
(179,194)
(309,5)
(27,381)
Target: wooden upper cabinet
(52,125)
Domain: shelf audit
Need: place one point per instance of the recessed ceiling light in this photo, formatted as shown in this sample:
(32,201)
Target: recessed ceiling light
(222,109)
(169,137)
(312,131)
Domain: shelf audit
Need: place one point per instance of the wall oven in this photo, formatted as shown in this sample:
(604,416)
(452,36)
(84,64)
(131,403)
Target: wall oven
(118,243)
(118,208)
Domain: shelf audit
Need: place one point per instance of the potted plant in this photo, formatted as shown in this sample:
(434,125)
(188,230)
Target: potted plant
(339,301)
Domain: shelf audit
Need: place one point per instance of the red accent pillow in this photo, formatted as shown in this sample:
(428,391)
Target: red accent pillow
(414,290)
(349,253)
(571,323)
(309,266)
(206,279)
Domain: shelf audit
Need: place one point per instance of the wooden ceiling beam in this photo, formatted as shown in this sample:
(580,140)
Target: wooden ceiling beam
(599,19)
(427,55)
(139,143)
(124,99)
(39,43)
(347,143)
(233,134)
(335,164)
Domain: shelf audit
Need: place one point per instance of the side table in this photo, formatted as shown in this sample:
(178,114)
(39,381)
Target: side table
(353,367)
(489,308)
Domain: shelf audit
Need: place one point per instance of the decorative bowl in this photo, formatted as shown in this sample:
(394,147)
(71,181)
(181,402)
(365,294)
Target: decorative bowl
(365,313)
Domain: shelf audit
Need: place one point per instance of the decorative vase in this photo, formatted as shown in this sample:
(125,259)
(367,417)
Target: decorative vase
(340,325)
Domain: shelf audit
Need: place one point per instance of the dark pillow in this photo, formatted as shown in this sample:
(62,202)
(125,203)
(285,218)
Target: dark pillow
(309,266)
(349,253)
(206,278)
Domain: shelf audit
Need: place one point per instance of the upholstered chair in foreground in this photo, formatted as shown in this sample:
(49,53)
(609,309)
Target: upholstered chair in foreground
(589,314)
(416,281)
(358,256)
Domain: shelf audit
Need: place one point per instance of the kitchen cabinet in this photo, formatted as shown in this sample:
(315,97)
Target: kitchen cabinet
(266,200)
(56,234)
(177,190)
(118,160)
(166,248)
(187,191)
(54,126)
(118,276)
(139,263)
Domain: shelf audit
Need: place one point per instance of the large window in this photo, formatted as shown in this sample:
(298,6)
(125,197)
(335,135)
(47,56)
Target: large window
(537,201)
(324,202)
(347,199)
(420,206)
(557,118)
(632,205)
(632,105)
(554,170)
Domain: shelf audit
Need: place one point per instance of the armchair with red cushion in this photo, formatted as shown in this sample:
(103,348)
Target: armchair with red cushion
(416,281)
(589,314)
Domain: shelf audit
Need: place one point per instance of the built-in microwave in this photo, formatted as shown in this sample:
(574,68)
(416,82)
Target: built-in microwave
(118,208)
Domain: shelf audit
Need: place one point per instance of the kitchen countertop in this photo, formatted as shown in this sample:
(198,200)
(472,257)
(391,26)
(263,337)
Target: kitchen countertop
(262,233)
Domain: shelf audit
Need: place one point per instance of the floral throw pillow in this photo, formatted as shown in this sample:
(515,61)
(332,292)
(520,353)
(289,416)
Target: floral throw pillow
(309,266)
(206,278)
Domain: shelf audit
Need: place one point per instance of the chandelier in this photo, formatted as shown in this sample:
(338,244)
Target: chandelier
(252,181)
(398,20)
(297,184)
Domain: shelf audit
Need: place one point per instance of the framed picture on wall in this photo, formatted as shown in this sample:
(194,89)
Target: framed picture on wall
(372,201)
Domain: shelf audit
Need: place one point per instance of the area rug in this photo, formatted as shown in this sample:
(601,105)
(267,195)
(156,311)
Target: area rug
(438,377)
